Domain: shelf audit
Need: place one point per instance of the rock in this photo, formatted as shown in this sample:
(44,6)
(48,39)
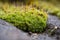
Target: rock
(50,26)
(55,27)
(34,36)
(4,23)
(57,32)
(45,37)
(53,20)
(8,32)
(30,33)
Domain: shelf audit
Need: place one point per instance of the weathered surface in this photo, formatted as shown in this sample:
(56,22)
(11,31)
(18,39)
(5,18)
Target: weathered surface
(46,37)
(42,37)
(8,32)
(53,20)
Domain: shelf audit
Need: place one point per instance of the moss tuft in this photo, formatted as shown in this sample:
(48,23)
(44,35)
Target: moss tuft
(27,19)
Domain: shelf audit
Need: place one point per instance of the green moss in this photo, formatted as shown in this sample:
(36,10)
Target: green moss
(58,15)
(25,19)
(54,12)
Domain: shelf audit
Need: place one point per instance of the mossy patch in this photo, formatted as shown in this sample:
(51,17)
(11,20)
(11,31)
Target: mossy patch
(27,19)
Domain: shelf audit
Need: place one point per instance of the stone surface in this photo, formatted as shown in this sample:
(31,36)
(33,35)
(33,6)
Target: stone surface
(53,20)
(8,32)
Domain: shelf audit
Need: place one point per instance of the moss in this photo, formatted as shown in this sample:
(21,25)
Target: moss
(58,15)
(54,12)
(27,19)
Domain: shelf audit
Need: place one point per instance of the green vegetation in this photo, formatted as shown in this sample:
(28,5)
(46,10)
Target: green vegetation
(27,19)
(50,6)
(58,15)
(25,2)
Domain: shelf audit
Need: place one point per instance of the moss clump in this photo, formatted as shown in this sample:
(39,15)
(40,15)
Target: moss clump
(28,19)
(53,13)
(58,15)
